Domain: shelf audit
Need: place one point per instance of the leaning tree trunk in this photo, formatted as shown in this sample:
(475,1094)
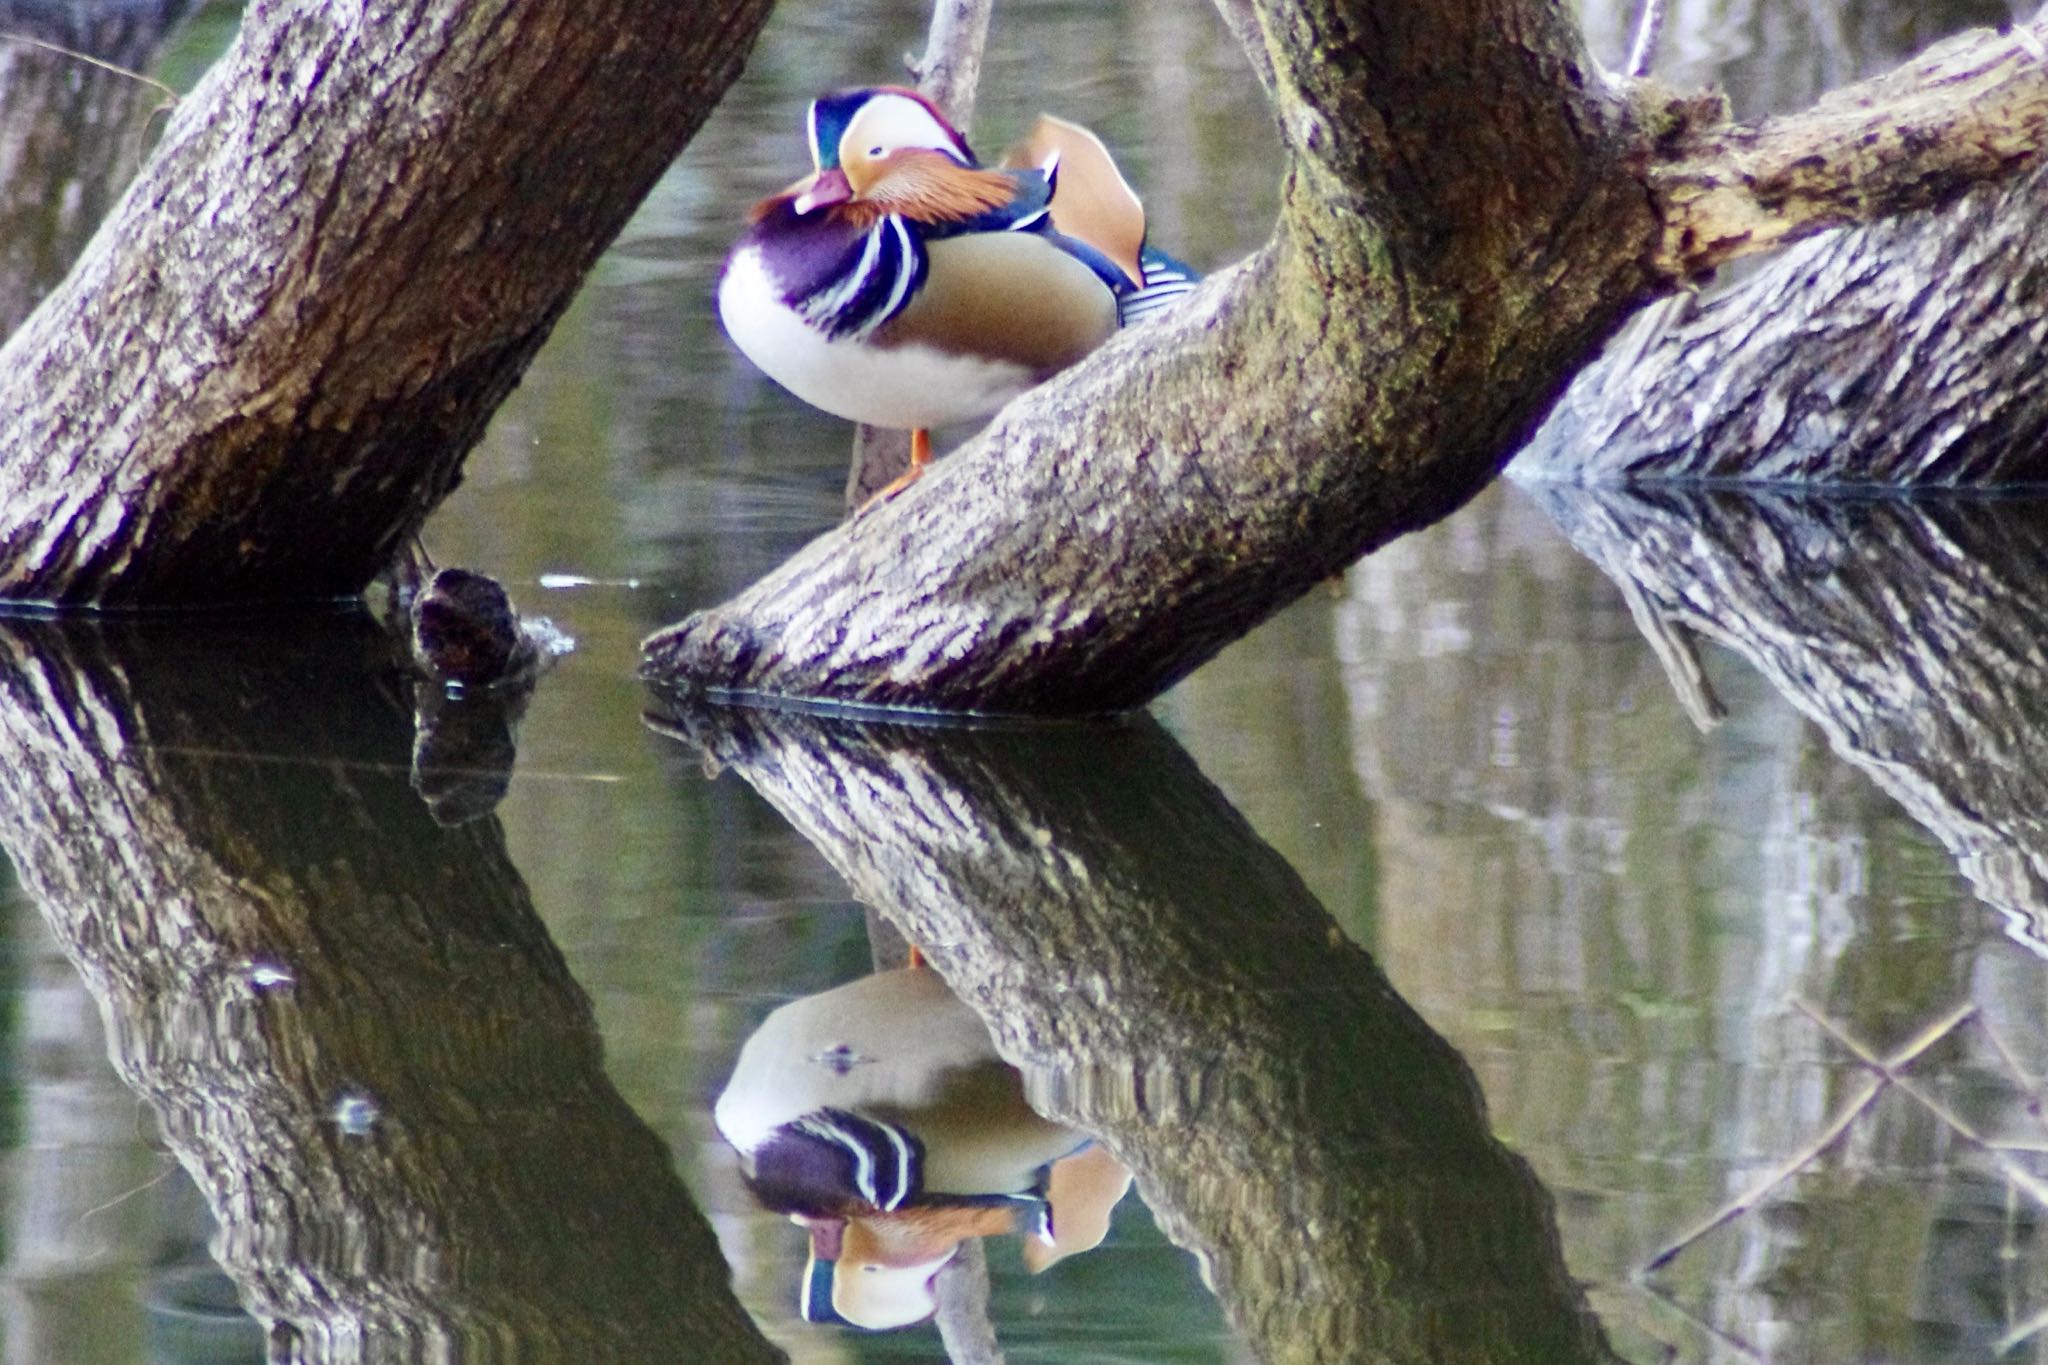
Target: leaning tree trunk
(71,133)
(1471,208)
(268,365)
(1914,634)
(1167,984)
(1912,352)
(357,1035)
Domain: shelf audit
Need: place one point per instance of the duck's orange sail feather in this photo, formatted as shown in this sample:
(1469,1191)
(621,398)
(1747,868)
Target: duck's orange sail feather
(1091,202)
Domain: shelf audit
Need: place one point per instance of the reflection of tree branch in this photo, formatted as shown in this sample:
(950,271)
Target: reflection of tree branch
(1914,634)
(1168,983)
(358,1035)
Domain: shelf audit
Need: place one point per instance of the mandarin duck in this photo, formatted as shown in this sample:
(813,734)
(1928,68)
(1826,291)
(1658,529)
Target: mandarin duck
(904,284)
(879,1118)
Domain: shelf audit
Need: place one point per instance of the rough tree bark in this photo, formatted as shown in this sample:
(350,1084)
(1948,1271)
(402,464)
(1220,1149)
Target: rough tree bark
(1914,634)
(1471,208)
(1167,983)
(267,367)
(357,1035)
(1912,352)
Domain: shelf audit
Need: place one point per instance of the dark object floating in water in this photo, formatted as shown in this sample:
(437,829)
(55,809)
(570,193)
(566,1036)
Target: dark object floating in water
(465,631)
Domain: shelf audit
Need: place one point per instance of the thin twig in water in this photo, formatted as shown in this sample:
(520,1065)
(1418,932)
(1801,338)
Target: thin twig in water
(170,95)
(1829,1136)
(159,1178)
(2025,1079)
(1743,1203)
(2020,1177)
(2020,1332)
(1702,1326)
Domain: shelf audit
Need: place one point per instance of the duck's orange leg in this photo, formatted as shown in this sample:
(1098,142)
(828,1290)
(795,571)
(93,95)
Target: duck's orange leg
(916,956)
(920,456)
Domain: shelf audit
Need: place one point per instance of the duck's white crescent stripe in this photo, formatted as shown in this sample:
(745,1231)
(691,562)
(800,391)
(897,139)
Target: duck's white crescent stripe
(906,273)
(822,308)
(863,1160)
(903,1160)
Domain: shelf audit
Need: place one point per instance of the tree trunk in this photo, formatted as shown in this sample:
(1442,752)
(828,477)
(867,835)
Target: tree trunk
(1914,634)
(358,1037)
(1167,984)
(1912,352)
(267,367)
(1472,207)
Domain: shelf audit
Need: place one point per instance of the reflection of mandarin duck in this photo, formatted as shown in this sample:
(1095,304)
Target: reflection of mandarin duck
(903,284)
(879,1117)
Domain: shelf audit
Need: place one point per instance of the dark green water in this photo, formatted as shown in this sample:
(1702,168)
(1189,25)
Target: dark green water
(1476,769)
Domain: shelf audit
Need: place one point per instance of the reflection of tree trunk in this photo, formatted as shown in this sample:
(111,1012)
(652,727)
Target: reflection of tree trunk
(1914,634)
(71,134)
(358,1035)
(1168,983)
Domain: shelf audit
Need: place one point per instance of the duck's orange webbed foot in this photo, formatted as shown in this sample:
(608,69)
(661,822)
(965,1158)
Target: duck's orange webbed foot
(920,456)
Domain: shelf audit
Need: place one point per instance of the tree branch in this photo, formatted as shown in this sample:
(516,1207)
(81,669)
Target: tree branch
(1906,352)
(1469,212)
(1971,109)
(1241,17)
(949,73)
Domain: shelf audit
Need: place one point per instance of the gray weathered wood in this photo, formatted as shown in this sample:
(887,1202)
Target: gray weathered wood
(1444,261)
(355,1032)
(1167,983)
(1912,352)
(267,366)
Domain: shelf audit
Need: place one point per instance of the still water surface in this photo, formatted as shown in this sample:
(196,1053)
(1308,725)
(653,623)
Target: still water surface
(1447,819)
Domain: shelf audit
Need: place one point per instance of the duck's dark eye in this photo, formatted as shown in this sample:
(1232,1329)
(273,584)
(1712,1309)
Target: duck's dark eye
(874,151)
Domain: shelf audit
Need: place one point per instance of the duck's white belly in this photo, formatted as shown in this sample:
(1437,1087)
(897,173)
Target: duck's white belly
(897,386)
